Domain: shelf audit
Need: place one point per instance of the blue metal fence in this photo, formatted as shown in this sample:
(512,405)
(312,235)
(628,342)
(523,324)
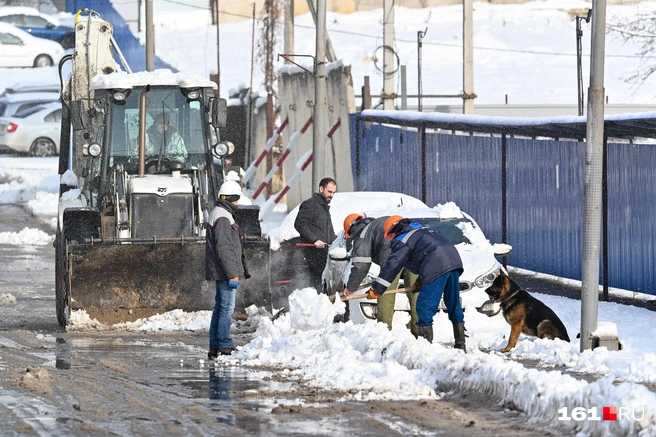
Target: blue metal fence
(544,194)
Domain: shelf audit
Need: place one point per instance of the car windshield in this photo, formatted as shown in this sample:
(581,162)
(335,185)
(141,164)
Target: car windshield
(174,128)
(447,227)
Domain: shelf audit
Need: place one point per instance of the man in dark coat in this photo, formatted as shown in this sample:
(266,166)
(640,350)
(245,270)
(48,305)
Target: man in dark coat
(224,263)
(370,245)
(314,224)
(437,262)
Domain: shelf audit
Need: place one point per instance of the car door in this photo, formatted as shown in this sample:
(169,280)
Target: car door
(13,51)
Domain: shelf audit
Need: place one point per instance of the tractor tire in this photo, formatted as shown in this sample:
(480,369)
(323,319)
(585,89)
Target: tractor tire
(62,293)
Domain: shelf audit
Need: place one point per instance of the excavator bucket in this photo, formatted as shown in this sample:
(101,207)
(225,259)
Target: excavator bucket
(122,282)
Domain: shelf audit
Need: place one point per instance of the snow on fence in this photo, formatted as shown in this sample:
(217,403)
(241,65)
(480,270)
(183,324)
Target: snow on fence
(301,165)
(293,140)
(270,142)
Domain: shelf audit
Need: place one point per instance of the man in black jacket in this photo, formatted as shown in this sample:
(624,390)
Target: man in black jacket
(224,263)
(314,224)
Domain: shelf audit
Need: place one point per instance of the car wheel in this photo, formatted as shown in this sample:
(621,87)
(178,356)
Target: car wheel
(43,61)
(43,148)
(68,42)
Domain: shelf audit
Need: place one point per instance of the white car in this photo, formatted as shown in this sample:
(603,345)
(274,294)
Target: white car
(477,254)
(20,49)
(34,131)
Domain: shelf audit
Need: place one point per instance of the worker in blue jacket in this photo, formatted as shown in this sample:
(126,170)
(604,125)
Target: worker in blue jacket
(436,261)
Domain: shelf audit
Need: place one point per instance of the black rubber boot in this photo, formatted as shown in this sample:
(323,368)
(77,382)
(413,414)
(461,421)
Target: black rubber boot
(426,332)
(459,336)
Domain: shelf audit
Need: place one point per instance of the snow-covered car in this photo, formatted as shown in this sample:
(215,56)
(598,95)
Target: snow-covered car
(289,267)
(477,253)
(39,25)
(34,131)
(20,49)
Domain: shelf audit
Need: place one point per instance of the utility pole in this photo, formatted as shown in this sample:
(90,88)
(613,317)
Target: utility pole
(330,52)
(150,37)
(468,56)
(593,178)
(388,54)
(579,55)
(420,36)
(318,153)
(289,28)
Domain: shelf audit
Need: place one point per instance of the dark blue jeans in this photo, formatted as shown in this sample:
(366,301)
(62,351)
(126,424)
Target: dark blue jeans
(429,299)
(224,306)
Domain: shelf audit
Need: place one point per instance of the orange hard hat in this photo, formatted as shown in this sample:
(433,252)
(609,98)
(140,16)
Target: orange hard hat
(348,222)
(389,224)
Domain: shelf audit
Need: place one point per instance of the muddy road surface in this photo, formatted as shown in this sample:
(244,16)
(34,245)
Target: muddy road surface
(55,382)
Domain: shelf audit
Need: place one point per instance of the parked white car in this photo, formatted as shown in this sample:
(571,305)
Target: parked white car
(34,131)
(20,49)
(477,254)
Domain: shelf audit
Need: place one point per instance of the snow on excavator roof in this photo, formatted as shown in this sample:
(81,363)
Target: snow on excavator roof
(123,80)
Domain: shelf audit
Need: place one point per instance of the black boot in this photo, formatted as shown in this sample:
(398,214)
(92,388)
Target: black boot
(459,336)
(426,332)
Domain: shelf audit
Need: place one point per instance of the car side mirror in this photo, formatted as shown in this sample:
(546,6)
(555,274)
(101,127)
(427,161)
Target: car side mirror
(338,254)
(501,249)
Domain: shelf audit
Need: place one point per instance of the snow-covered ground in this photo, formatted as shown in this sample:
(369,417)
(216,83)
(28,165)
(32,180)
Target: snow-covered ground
(526,51)
(370,362)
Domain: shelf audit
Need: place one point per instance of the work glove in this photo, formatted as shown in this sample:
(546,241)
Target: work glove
(371,294)
(416,287)
(233,282)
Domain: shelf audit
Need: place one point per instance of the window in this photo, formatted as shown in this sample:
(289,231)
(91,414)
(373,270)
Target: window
(9,39)
(54,117)
(35,22)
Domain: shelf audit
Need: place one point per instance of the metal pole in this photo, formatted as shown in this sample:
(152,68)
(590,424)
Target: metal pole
(150,37)
(579,55)
(468,55)
(388,54)
(404,89)
(319,97)
(420,35)
(593,178)
(218,51)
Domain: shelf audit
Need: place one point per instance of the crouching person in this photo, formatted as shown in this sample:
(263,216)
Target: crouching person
(438,265)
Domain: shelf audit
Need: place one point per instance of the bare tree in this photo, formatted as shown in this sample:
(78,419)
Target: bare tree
(640,30)
(269,35)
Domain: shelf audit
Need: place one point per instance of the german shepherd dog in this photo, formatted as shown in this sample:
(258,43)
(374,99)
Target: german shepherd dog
(525,313)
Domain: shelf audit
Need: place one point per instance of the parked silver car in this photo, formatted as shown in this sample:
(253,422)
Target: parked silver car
(12,103)
(477,254)
(34,131)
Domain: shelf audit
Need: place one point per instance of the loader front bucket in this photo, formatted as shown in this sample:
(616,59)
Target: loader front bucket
(256,290)
(122,282)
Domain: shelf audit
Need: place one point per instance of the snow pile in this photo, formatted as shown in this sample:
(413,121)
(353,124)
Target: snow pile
(7,298)
(27,236)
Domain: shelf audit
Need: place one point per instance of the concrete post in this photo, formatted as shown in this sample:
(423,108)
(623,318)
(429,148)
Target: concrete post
(593,178)
(318,149)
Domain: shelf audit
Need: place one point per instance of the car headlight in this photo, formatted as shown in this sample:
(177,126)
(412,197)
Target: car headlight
(488,278)
(370,310)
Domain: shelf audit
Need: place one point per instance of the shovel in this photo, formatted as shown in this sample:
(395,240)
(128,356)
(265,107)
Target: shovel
(364,296)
